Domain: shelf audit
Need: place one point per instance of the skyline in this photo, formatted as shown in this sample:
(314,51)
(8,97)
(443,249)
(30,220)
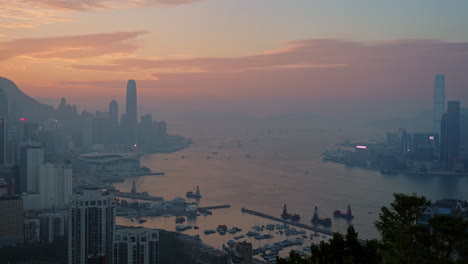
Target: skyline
(262,59)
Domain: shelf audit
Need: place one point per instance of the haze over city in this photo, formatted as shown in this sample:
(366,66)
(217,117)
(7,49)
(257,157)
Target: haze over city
(233,131)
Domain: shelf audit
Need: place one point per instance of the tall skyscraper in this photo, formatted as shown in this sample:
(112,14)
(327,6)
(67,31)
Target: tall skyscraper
(114,113)
(136,245)
(91,227)
(131,113)
(3,141)
(11,221)
(450,135)
(3,126)
(439,102)
(55,184)
(32,155)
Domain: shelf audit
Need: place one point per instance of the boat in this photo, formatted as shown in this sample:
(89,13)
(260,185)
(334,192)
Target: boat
(316,220)
(239,237)
(233,230)
(141,221)
(287,216)
(180,220)
(221,229)
(252,233)
(209,231)
(181,228)
(231,243)
(195,195)
(347,215)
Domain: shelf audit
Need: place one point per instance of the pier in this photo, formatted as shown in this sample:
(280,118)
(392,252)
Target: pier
(308,227)
(138,196)
(215,207)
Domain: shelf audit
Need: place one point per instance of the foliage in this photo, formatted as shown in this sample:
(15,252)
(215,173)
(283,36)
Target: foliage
(444,240)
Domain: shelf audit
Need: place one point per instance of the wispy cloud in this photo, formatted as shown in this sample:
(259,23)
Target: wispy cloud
(316,53)
(71,47)
(32,13)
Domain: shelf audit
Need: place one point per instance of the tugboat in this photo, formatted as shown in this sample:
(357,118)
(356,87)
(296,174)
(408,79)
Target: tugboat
(348,215)
(316,220)
(292,217)
(195,195)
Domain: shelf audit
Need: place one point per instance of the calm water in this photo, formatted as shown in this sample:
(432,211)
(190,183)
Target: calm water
(275,174)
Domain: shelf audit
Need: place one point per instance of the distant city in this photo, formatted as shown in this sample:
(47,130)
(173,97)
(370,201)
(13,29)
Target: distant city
(57,169)
(442,151)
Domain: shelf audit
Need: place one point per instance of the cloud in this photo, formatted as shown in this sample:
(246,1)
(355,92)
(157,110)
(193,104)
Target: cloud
(71,47)
(32,13)
(311,54)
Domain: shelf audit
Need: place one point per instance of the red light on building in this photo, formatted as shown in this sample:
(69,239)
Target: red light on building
(22,119)
(431,138)
(361,147)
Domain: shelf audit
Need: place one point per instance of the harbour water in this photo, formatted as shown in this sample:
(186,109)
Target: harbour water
(264,166)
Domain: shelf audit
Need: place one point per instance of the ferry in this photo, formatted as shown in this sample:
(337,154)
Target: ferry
(195,195)
(347,215)
(292,217)
(316,220)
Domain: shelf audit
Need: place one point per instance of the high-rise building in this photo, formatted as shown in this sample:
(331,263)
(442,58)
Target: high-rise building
(450,135)
(11,221)
(32,230)
(52,226)
(87,131)
(114,113)
(136,245)
(4,109)
(464,133)
(55,184)
(439,102)
(91,227)
(32,155)
(131,121)
(3,141)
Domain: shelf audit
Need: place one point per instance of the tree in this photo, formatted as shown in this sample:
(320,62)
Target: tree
(338,250)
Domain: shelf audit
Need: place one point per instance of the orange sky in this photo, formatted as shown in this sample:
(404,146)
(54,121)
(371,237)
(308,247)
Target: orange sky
(200,53)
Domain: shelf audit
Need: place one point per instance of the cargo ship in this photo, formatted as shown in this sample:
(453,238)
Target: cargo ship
(316,220)
(347,215)
(287,216)
(195,195)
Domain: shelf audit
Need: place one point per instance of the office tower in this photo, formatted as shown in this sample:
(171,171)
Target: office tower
(464,133)
(450,135)
(114,113)
(91,225)
(32,155)
(52,226)
(147,133)
(161,131)
(3,141)
(87,131)
(439,102)
(131,121)
(11,221)
(136,245)
(3,187)
(55,184)
(32,230)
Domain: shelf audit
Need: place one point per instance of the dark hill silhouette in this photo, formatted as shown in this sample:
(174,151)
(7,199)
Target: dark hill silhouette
(22,105)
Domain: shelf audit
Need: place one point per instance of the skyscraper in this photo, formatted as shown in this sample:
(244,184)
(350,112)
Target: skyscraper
(3,126)
(131,121)
(439,102)
(114,114)
(136,245)
(11,221)
(91,227)
(32,155)
(450,135)
(3,141)
(55,184)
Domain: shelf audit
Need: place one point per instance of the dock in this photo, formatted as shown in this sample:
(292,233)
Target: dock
(138,196)
(308,227)
(215,207)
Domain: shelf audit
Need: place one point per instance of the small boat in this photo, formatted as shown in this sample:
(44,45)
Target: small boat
(221,229)
(196,227)
(182,228)
(239,237)
(141,221)
(180,220)
(209,231)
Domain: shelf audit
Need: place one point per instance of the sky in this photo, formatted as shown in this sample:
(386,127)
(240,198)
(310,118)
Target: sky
(250,56)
